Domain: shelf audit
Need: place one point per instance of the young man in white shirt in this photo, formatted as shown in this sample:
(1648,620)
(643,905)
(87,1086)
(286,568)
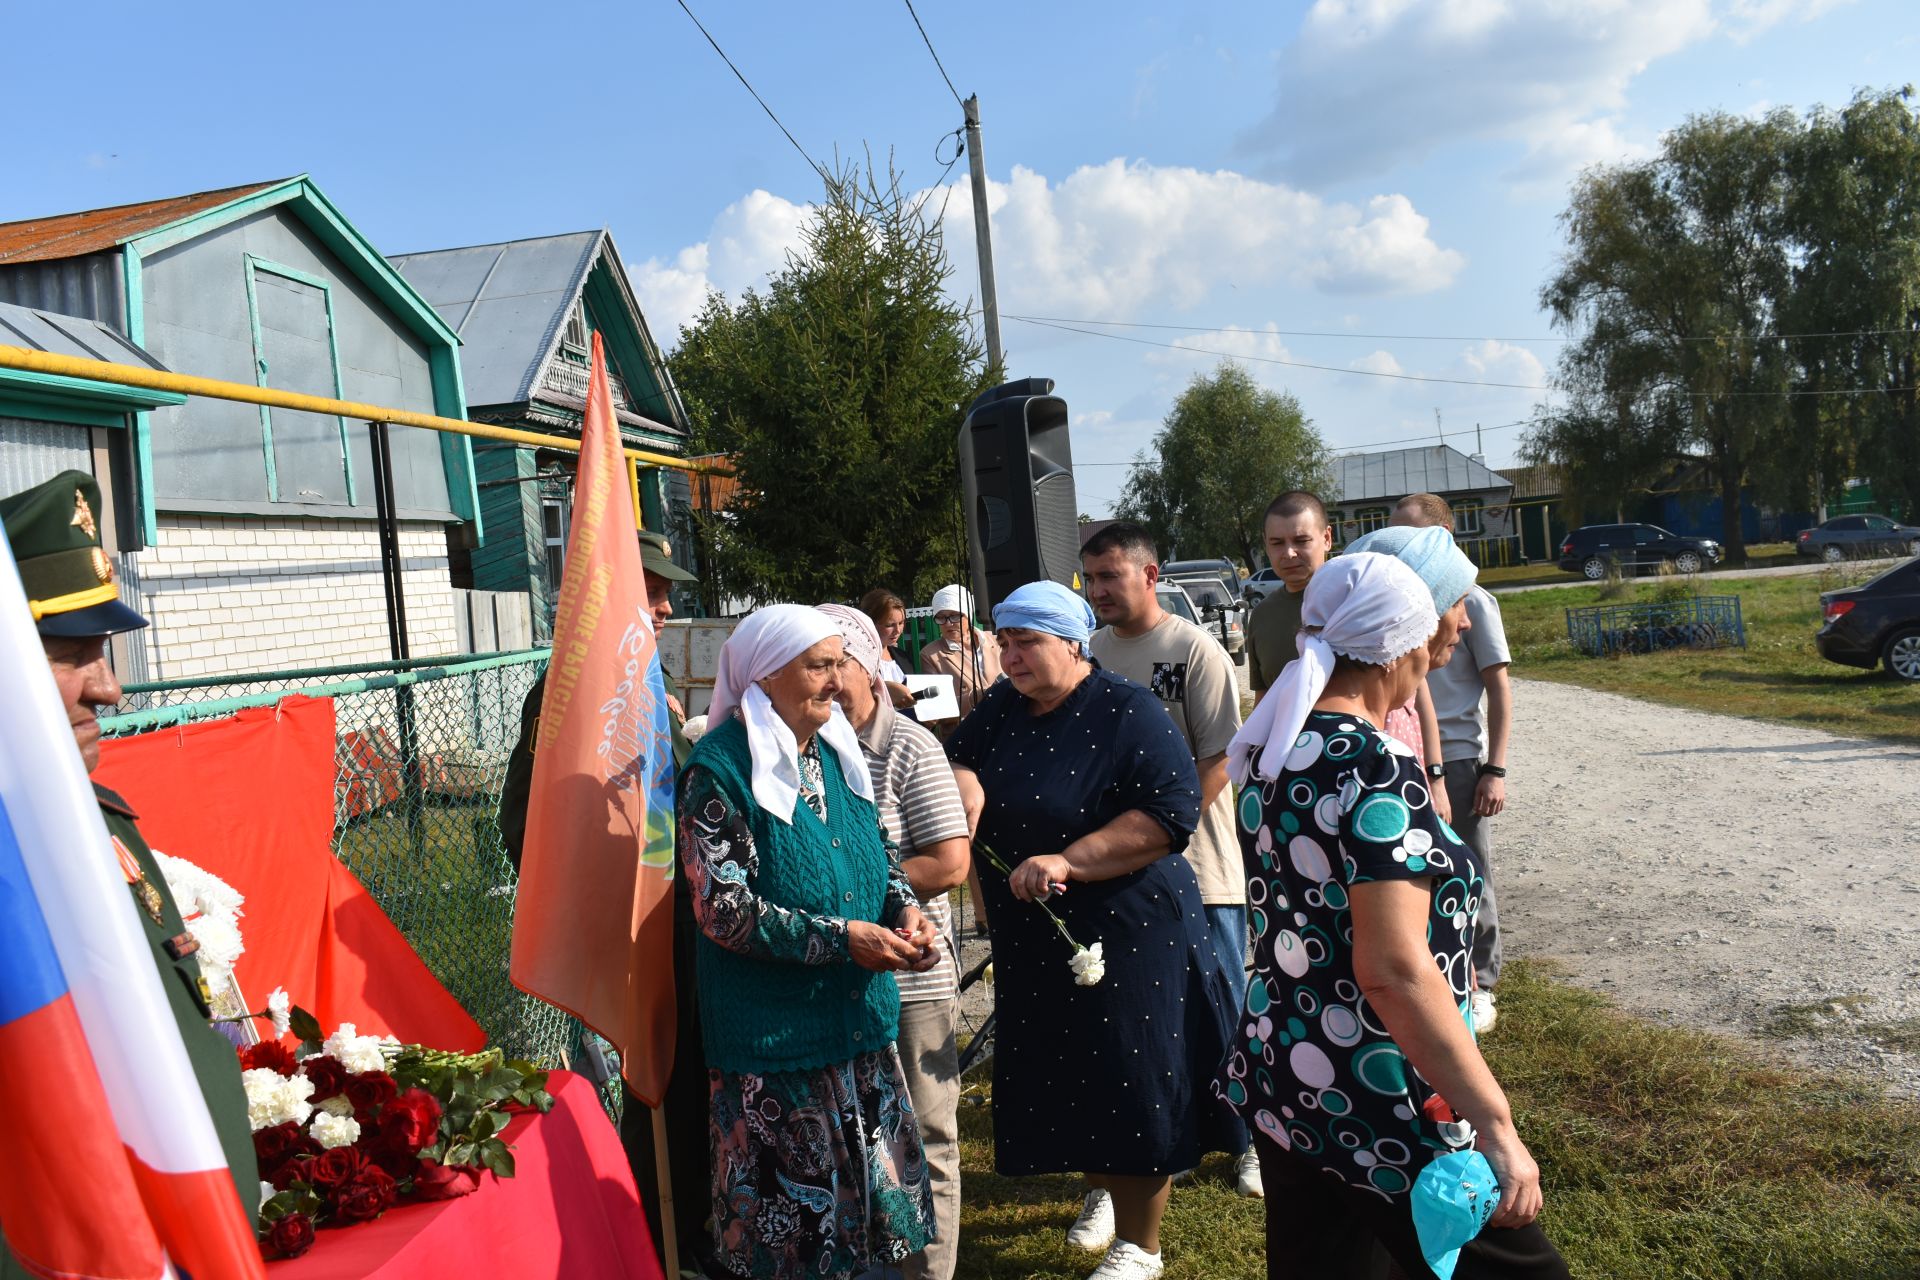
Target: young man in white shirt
(1193,677)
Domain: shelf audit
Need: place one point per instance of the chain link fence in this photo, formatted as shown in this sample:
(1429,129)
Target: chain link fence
(420,758)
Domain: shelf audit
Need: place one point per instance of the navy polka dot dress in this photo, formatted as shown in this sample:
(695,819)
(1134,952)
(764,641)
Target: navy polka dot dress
(1109,1078)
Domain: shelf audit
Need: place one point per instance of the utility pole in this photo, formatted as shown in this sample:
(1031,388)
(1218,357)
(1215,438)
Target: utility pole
(1437,427)
(982,234)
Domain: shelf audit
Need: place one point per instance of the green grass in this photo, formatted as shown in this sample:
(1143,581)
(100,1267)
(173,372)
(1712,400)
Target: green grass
(1778,676)
(1666,1155)
(1764,555)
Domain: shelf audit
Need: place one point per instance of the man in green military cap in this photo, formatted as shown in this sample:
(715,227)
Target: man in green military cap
(684,1108)
(54,532)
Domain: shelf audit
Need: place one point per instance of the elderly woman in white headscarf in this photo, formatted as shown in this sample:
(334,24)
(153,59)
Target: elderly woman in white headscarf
(804,916)
(1355,1056)
(963,651)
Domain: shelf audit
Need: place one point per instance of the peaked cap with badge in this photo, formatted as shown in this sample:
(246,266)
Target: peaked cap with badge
(54,530)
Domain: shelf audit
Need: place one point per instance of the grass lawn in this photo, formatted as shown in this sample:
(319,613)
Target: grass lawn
(1778,676)
(1665,1154)
(1761,555)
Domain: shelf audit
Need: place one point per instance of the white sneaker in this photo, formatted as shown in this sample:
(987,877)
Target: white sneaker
(1093,1229)
(1127,1262)
(1246,1175)
(1484,1014)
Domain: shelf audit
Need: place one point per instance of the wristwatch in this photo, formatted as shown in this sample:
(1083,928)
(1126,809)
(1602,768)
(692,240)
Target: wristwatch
(1493,771)
(1436,771)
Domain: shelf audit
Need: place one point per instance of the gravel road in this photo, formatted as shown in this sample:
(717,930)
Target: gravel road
(1712,871)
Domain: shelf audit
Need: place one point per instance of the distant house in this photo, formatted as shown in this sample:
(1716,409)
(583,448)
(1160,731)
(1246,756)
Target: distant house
(526,312)
(1537,517)
(249,536)
(1370,484)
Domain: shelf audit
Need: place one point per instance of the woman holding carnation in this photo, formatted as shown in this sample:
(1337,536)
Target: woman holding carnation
(1081,780)
(1377,1121)
(804,915)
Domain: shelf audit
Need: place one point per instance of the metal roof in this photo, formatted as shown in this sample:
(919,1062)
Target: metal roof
(508,302)
(1440,469)
(69,235)
(68,336)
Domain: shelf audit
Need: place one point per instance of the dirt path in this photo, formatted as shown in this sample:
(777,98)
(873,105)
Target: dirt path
(1719,872)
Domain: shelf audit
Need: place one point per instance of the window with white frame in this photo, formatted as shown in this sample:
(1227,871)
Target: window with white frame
(1370,518)
(1469,518)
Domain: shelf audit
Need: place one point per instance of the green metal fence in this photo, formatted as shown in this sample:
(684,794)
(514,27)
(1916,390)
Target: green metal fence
(420,757)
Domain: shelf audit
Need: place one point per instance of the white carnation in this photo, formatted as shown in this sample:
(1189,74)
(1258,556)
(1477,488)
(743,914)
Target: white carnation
(1089,965)
(357,1053)
(276,1099)
(210,907)
(267,1192)
(694,728)
(280,1008)
(337,1105)
(330,1130)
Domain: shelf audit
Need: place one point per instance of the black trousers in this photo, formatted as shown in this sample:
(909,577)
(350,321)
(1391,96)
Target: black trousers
(685,1108)
(1321,1229)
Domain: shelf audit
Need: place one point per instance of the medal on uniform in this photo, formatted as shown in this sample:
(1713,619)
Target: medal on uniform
(143,891)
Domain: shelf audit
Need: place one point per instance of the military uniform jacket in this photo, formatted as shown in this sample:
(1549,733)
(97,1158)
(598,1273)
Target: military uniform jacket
(214,1062)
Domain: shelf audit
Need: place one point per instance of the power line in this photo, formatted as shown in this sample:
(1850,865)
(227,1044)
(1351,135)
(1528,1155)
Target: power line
(1421,337)
(756,94)
(936,57)
(1419,377)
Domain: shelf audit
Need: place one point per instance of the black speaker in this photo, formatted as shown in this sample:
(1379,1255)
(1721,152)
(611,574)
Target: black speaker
(1016,472)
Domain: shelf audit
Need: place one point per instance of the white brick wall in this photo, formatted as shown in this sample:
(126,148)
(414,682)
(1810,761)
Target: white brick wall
(232,594)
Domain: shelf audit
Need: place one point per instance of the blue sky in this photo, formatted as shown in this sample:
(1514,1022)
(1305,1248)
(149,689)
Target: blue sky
(1353,167)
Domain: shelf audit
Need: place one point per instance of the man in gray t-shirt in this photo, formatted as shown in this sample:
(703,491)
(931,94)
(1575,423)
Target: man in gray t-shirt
(1473,701)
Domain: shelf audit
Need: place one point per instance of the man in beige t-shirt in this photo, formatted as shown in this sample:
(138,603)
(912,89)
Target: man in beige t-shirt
(1193,678)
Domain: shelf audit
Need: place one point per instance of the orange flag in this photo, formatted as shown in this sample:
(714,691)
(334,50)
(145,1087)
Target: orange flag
(593,928)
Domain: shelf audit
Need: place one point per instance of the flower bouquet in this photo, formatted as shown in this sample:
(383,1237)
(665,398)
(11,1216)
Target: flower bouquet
(348,1126)
(1089,964)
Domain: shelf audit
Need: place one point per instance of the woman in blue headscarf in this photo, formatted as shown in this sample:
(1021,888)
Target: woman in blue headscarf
(1088,797)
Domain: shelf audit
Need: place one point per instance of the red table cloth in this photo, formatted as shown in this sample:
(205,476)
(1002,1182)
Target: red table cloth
(569,1211)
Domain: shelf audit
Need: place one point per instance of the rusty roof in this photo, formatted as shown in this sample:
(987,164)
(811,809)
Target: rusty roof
(69,235)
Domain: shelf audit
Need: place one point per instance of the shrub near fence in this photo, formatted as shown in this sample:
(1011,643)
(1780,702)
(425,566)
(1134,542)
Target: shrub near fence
(420,758)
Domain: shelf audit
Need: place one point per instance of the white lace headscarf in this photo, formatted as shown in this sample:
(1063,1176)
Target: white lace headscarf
(1371,608)
(766,641)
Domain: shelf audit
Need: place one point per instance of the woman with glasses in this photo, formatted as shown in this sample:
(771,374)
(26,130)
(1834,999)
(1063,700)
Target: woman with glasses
(963,651)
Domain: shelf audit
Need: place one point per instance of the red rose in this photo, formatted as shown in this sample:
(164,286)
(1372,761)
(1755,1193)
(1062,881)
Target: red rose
(268,1053)
(297,1167)
(401,1164)
(371,1089)
(328,1076)
(335,1167)
(441,1182)
(275,1143)
(410,1121)
(291,1236)
(368,1196)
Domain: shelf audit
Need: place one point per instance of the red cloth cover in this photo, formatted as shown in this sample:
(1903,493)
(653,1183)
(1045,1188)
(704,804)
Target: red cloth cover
(251,800)
(570,1211)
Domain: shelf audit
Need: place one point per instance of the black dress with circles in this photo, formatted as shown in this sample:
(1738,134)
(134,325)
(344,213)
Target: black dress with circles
(1108,1078)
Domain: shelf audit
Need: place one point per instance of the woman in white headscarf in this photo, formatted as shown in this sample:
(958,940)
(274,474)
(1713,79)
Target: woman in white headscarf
(1356,1056)
(818,1170)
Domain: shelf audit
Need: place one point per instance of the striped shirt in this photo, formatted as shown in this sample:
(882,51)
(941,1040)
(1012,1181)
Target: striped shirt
(919,805)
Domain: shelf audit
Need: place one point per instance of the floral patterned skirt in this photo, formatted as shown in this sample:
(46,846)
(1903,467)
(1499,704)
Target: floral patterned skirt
(817,1174)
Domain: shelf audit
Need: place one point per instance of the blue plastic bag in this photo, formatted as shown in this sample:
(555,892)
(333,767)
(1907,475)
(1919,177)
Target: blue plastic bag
(1452,1199)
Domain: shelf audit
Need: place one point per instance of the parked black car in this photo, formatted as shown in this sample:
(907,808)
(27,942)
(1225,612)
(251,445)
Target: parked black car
(1221,570)
(1876,622)
(1592,549)
(1860,537)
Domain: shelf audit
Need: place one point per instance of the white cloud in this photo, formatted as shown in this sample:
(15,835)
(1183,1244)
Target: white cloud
(1108,241)
(1377,362)
(748,241)
(1371,84)
(1232,342)
(1491,360)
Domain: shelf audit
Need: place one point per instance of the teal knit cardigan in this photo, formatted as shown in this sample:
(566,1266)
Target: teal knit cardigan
(763,1016)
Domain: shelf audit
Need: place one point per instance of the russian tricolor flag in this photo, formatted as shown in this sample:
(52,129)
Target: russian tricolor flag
(112,1168)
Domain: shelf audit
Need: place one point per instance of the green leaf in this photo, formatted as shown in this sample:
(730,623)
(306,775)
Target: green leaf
(460,1153)
(495,1155)
(306,1026)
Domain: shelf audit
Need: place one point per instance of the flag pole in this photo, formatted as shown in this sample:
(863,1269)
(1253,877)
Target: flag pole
(663,1175)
